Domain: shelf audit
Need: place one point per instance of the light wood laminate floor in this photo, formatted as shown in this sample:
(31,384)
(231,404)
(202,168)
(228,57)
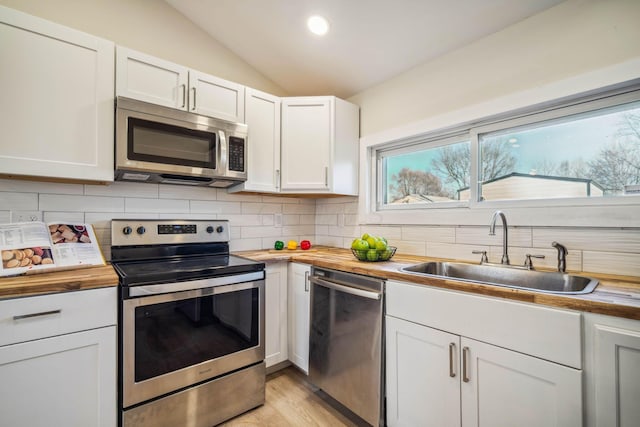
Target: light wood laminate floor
(291,401)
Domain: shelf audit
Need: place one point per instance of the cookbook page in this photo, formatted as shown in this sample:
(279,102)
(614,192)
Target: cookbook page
(75,245)
(25,246)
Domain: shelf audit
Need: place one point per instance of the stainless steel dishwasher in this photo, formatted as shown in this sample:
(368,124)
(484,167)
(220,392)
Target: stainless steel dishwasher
(346,341)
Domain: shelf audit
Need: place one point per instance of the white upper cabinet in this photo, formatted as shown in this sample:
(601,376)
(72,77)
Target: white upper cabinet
(149,79)
(262,114)
(57,88)
(146,78)
(319,146)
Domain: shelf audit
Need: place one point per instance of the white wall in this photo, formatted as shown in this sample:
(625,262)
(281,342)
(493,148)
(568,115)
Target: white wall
(152,27)
(573,38)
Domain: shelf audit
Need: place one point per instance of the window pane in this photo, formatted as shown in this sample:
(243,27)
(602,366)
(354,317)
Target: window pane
(589,155)
(431,175)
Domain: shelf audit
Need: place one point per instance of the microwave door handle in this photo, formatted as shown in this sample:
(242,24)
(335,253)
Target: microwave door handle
(223,152)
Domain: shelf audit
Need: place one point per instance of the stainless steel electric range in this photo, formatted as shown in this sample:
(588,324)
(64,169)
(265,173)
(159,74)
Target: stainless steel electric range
(191,330)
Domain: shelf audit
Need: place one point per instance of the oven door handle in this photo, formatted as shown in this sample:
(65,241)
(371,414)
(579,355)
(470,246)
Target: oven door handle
(346,289)
(190,285)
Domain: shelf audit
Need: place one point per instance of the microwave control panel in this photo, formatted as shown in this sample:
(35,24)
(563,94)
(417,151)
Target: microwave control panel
(236,154)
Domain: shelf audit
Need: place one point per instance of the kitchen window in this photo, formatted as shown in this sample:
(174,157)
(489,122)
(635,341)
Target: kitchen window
(582,152)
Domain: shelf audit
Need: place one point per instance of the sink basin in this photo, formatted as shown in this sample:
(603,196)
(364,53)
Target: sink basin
(512,277)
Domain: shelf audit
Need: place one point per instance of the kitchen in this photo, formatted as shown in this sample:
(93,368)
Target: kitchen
(537,62)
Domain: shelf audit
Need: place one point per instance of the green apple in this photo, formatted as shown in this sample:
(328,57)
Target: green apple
(360,245)
(381,245)
(372,255)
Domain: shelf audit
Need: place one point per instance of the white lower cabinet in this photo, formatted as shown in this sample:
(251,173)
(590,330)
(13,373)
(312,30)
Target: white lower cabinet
(299,297)
(612,366)
(438,378)
(66,379)
(276,313)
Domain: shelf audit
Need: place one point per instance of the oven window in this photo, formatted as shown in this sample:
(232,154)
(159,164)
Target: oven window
(162,143)
(178,334)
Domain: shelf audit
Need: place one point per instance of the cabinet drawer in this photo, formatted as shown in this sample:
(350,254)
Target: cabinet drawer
(29,318)
(544,332)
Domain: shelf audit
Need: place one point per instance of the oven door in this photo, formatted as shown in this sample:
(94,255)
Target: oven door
(175,340)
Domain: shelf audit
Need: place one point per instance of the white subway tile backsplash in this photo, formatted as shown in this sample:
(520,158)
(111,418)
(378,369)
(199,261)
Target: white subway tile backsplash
(300,230)
(302,208)
(242,220)
(455,251)
(248,232)
(323,209)
(407,247)
(73,203)
(330,241)
(20,186)
(480,236)
(599,240)
(624,264)
(19,201)
(64,217)
(238,197)
(268,220)
(261,208)
(391,233)
(350,232)
(333,222)
(211,207)
(157,205)
(187,193)
(123,189)
(245,244)
(327,219)
(281,200)
(431,234)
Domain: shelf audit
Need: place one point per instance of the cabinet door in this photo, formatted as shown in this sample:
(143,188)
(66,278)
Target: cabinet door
(423,378)
(216,97)
(613,371)
(146,78)
(276,328)
(57,100)
(262,113)
(299,309)
(307,133)
(504,388)
(68,380)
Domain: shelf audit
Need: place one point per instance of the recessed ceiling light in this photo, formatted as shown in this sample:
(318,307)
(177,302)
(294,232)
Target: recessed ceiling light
(318,25)
(513,140)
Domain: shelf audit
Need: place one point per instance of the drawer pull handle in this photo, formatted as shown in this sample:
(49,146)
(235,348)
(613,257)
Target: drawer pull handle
(452,349)
(42,313)
(465,355)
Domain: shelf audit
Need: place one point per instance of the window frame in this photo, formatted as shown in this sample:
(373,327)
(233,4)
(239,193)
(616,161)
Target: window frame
(460,212)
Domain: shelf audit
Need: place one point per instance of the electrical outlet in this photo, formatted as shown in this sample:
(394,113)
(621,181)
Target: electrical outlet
(26,216)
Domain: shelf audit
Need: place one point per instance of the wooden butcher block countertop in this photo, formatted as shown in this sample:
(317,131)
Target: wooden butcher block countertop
(615,295)
(58,281)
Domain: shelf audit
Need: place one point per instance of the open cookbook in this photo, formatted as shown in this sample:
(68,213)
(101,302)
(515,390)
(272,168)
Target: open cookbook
(31,247)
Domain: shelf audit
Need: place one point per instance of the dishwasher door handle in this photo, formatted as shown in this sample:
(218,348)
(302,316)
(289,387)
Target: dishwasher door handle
(346,289)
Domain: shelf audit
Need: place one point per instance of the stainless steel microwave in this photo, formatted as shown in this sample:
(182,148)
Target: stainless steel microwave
(164,145)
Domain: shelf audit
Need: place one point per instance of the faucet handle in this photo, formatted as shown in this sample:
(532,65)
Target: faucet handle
(527,262)
(484,256)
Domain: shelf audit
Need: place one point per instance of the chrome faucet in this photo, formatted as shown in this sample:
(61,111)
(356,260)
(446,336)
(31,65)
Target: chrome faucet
(562,256)
(505,240)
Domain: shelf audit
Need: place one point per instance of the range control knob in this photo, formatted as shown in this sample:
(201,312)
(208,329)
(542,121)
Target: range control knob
(140,230)
(127,230)
(209,229)
(220,229)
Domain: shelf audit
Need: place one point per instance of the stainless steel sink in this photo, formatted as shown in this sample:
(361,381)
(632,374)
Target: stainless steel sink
(512,277)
